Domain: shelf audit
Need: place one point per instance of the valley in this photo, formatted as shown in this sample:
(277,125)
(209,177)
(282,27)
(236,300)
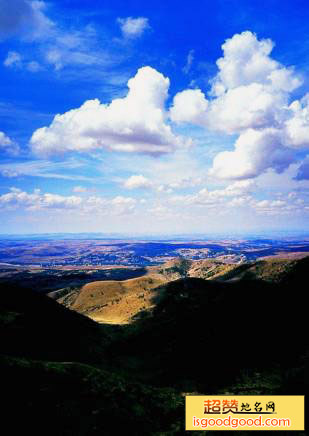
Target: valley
(69,253)
(93,349)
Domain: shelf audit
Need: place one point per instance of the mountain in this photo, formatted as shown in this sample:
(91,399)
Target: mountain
(54,370)
(201,335)
(114,302)
(35,326)
(118,302)
(242,336)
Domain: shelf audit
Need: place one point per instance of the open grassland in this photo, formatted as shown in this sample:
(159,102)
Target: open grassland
(119,302)
(116,302)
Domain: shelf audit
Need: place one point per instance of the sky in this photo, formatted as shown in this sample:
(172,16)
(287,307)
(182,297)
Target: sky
(154,117)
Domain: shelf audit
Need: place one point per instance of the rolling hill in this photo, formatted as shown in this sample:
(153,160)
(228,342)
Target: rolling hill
(114,302)
(242,336)
(118,302)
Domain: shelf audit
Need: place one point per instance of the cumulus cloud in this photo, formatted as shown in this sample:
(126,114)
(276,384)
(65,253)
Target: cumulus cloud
(133,27)
(137,181)
(36,200)
(247,60)
(249,97)
(182,183)
(7,145)
(135,123)
(216,197)
(255,152)
(297,126)
(123,205)
(276,207)
(250,106)
(250,90)
(189,106)
(16,198)
(241,195)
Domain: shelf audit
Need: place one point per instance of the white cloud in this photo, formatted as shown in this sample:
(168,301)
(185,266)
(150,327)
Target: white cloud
(189,106)
(33,66)
(247,106)
(182,183)
(249,97)
(18,198)
(216,197)
(250,90)
(13,59)
(303,170)
(54,44)
(164,189)
(24,17)
(133,27)
(297,127)
(240,195)
(135,123)
(9,173)
(79,189)
(237,188)
(189,62)
(65,169)
(276,207)
(137,181)
(255,152)
(75,47)
(37,200)
(239,202)
(160,211)
(123,205)
(247,60)
(41,25)
(8,145)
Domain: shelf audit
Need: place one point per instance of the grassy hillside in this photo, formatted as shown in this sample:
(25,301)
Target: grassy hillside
(118,302)
(35,326)
(113,301)
(274,270)
(203,335)
(197,336)
(55,368)
(76,399)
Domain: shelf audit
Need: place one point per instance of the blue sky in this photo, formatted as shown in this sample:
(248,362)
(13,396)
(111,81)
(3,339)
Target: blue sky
(161,117)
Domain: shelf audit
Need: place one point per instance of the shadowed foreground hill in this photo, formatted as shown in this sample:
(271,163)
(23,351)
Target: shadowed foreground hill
(48,398)
(202,335)
(34,325)
(199,336)
(54,369)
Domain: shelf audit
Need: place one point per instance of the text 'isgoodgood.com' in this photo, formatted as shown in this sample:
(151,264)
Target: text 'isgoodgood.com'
(240,422)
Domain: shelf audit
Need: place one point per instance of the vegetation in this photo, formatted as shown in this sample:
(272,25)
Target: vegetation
(198,336)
